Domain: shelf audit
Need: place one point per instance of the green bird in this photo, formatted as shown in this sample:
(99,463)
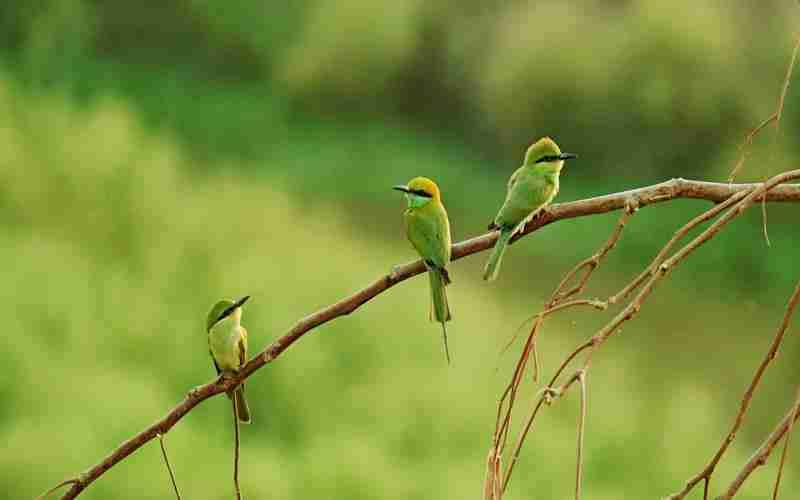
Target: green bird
(428,230)
(531,188)
(227,343)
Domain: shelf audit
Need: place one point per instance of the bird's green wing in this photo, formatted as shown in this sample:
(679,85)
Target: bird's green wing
(529,192)
(242,347)
(428,229)
(216,366)
(513,179)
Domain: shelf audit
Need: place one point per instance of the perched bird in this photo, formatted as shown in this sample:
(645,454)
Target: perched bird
(227,343)
(428,230)
(531,188)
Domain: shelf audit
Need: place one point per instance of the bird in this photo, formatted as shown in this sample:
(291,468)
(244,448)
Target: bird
(227,344)
(531,188)
(428,230)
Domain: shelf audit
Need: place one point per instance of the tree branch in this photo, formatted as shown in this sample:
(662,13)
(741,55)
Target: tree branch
(708,470)
(641,197)
(760,456)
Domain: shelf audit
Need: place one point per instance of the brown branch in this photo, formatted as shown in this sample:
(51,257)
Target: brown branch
(745,145)
(785,451)
(581,429)
(56,487)
(708,470)
(557,302)
(774,117)
(759,458)
(658,193)
(169,468)
(784,89)
(656,274)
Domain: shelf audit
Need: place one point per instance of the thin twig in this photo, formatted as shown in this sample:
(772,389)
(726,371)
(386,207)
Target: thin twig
(677,236)
(554,304)
(786,80)
(169,468)
(745,145)
(56,487)
(785,451)
(662,270)
(581,429)
(759,458)
(649,195)
(236,448)
(774,117)
(708,470)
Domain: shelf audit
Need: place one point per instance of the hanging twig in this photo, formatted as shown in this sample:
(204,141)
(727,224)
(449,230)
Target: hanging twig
(708,470)
(169,468)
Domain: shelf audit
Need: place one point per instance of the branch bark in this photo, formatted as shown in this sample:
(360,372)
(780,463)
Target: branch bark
(641,197)
(759,458)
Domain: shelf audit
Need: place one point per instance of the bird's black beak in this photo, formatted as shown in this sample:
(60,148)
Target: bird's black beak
(236,305)
(402,188)
(567,156)
(239,303)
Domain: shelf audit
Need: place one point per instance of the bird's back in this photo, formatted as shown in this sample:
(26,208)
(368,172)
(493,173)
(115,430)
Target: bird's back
(529,190)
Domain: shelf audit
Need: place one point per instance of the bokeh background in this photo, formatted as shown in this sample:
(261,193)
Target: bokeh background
(158,155)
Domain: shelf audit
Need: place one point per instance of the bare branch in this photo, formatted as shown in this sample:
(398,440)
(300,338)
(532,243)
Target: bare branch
(786,80)
(581,429)
(655,274)
(169,468)
(760,456)
(56,487)
(708,470)
(669,190)
(785,451)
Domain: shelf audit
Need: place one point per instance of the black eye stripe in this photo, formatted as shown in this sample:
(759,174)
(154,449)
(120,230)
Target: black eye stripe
(548,158)
(227,312)
(420,192)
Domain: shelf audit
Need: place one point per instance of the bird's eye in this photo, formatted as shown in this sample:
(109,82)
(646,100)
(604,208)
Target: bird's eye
(420,192)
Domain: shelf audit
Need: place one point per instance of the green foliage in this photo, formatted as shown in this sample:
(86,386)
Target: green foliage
(155,156)
(115,253)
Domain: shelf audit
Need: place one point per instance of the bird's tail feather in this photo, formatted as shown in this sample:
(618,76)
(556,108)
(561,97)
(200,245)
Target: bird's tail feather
(493,264)
(242,410)
(444,338)
(440,308)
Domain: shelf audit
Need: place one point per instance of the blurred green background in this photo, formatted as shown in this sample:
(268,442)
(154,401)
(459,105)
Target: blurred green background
(158,155)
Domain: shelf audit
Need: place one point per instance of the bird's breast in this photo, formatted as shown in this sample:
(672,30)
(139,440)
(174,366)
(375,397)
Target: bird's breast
(223,340)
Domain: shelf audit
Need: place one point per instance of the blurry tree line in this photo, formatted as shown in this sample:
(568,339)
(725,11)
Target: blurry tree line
(644,88)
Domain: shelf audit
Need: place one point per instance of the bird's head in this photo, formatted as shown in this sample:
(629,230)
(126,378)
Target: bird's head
(225,309)
(420,191)
(545,152)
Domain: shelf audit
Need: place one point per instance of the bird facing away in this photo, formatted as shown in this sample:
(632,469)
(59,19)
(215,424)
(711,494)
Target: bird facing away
(227,343)
(531,188)
(428,230)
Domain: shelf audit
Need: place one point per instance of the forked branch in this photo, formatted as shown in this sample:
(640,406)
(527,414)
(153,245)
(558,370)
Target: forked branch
(647,280)
(658,193)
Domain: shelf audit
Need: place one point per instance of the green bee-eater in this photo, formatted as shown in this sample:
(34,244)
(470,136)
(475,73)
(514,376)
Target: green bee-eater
(227,343)
(428,230)
(531,188)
